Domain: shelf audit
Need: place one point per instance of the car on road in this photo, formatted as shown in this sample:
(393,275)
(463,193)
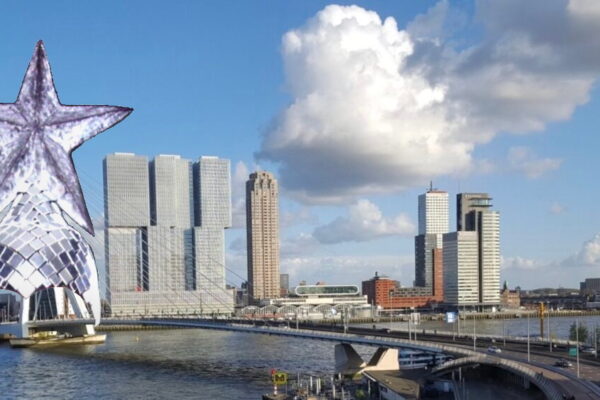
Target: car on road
(588,350)
(494,350)
(561,362)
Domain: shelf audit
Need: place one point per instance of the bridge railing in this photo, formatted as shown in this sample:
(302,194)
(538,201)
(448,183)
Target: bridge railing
(539,380)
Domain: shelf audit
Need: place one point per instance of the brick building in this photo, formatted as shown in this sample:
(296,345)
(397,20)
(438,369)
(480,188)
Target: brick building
(387,293)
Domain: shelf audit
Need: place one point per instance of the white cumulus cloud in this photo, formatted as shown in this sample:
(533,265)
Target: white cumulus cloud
(589,255)
(364,222)
(377,109)
(347,269)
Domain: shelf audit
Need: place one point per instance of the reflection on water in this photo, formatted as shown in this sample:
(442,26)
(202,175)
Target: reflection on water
(161,364)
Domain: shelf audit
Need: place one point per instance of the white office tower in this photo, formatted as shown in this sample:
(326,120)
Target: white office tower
(127,216)
(172,215)
(490,257)
(212,185)
(433,223)
(172,192)
(213,192)
(461,268)
(126,191)
(477,224)
(433,212)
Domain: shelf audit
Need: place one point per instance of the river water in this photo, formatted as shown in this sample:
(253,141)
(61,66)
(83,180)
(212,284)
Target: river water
(161,364)
(190,363)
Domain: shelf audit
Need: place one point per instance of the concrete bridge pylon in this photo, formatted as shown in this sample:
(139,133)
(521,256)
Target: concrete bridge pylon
(348,362)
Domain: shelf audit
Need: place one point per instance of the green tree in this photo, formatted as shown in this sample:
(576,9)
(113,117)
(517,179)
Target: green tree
(580,333)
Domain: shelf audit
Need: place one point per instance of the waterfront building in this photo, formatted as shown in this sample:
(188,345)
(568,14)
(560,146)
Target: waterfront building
(284,284)
(489,257)
(262,232)
(433,212)
(510,299)
(157,260)
(590,286)
(320,298)
(468,208)
(433,223)
(472,254)
(425,245)
(387,293)
(461,268)
(127,217)
(212,186)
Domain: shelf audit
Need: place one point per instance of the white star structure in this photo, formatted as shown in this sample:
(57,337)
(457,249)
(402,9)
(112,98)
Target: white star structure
(38,135)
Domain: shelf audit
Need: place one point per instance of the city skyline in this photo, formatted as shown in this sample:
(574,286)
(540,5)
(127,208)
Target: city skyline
(181,111)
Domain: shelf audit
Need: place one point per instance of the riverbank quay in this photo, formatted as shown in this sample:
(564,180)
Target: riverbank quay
(117,328)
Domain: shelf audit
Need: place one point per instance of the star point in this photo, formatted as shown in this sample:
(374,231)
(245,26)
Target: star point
(38,135)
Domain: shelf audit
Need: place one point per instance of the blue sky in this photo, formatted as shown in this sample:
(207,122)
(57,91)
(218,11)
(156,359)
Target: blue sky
(355,117)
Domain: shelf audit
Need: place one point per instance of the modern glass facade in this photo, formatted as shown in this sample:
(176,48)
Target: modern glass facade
(327,290)
(162,262)
(212,178)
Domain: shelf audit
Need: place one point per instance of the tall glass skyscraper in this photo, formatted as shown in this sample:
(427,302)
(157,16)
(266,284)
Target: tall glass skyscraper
(212,206)
(158,260)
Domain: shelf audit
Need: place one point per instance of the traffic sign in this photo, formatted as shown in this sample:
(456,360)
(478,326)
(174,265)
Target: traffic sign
(279,378)
(573,351)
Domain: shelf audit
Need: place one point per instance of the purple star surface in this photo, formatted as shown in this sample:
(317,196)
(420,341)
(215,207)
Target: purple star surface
(38,135)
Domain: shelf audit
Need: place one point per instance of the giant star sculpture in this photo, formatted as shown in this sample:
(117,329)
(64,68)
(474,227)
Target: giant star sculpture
(38,185)
(38,135)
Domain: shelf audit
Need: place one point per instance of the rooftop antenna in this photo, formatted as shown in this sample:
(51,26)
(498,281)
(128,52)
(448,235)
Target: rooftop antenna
(430,186)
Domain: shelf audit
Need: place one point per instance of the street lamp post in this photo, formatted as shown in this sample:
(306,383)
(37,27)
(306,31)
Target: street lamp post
(503,331)
(474,335)
(577,344)
(528,353)
(596,340)
(549,337)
